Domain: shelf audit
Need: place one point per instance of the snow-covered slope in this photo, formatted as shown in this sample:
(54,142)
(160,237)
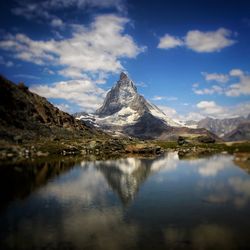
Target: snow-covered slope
(124,106)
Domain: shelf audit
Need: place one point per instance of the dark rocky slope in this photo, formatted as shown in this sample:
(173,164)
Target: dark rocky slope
(28,116)
(241,133)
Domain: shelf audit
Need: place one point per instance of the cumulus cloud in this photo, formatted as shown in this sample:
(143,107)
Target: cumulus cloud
(169,42)
(220,78)
(97,48)
(236,72)
(241,87)
(209,91)
(170,112)
(212,109)
(210,41)
(199,41)
(192,116)
(84,93)
(209,107)
(238,84)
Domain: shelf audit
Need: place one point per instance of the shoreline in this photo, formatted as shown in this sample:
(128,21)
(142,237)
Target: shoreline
(115,148)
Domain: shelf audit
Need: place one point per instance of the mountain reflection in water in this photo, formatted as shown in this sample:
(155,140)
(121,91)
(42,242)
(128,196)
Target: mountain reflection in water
(132,203)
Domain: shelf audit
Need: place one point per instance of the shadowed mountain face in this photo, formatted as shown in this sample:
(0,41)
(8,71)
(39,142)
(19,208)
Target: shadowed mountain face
(231,129)
(29,115)
(240,133)
(220,126)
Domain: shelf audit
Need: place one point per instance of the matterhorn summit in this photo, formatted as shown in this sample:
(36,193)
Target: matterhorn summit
(124,106)
(124,111)
(121,96)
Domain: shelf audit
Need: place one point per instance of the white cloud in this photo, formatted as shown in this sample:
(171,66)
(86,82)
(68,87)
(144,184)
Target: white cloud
(84,93)
(158,98)
(210,108)
(192,116)
(169,42)
(97,48)
(56,22)
(170,112)
(141,84)
(209,91)
(199,41)
(236,72)
(238,88)
(210,41)
(242,87)
(221,78)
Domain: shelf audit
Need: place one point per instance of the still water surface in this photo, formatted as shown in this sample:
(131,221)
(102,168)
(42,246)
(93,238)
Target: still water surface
(161,203)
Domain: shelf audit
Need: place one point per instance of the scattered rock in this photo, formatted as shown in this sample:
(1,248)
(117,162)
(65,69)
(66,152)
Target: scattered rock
(181,141)
(206,139)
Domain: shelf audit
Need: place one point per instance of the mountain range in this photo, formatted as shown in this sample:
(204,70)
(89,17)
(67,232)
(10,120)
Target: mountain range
(125,112)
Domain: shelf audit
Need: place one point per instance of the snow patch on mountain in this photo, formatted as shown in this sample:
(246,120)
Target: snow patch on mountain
(126,116)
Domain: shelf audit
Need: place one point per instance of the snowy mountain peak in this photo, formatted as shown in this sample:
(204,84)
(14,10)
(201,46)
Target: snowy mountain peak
(121,95)
(125,84)
(123,76)
(124,106)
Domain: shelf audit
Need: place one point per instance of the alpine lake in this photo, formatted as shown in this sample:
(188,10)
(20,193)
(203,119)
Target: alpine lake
(161,202)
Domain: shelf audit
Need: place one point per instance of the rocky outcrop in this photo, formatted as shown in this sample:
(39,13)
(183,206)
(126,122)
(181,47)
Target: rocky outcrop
(27,116)
(220,127)
(241,133)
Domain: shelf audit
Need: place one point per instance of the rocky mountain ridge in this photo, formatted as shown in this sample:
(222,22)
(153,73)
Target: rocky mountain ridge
(225,128)
(125,112)
(28,116)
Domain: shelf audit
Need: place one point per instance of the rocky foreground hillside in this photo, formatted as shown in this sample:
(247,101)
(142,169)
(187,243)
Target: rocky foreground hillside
(240,133)
(28,116)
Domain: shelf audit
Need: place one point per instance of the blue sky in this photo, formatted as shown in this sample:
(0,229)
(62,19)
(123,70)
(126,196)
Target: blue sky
(191,58)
